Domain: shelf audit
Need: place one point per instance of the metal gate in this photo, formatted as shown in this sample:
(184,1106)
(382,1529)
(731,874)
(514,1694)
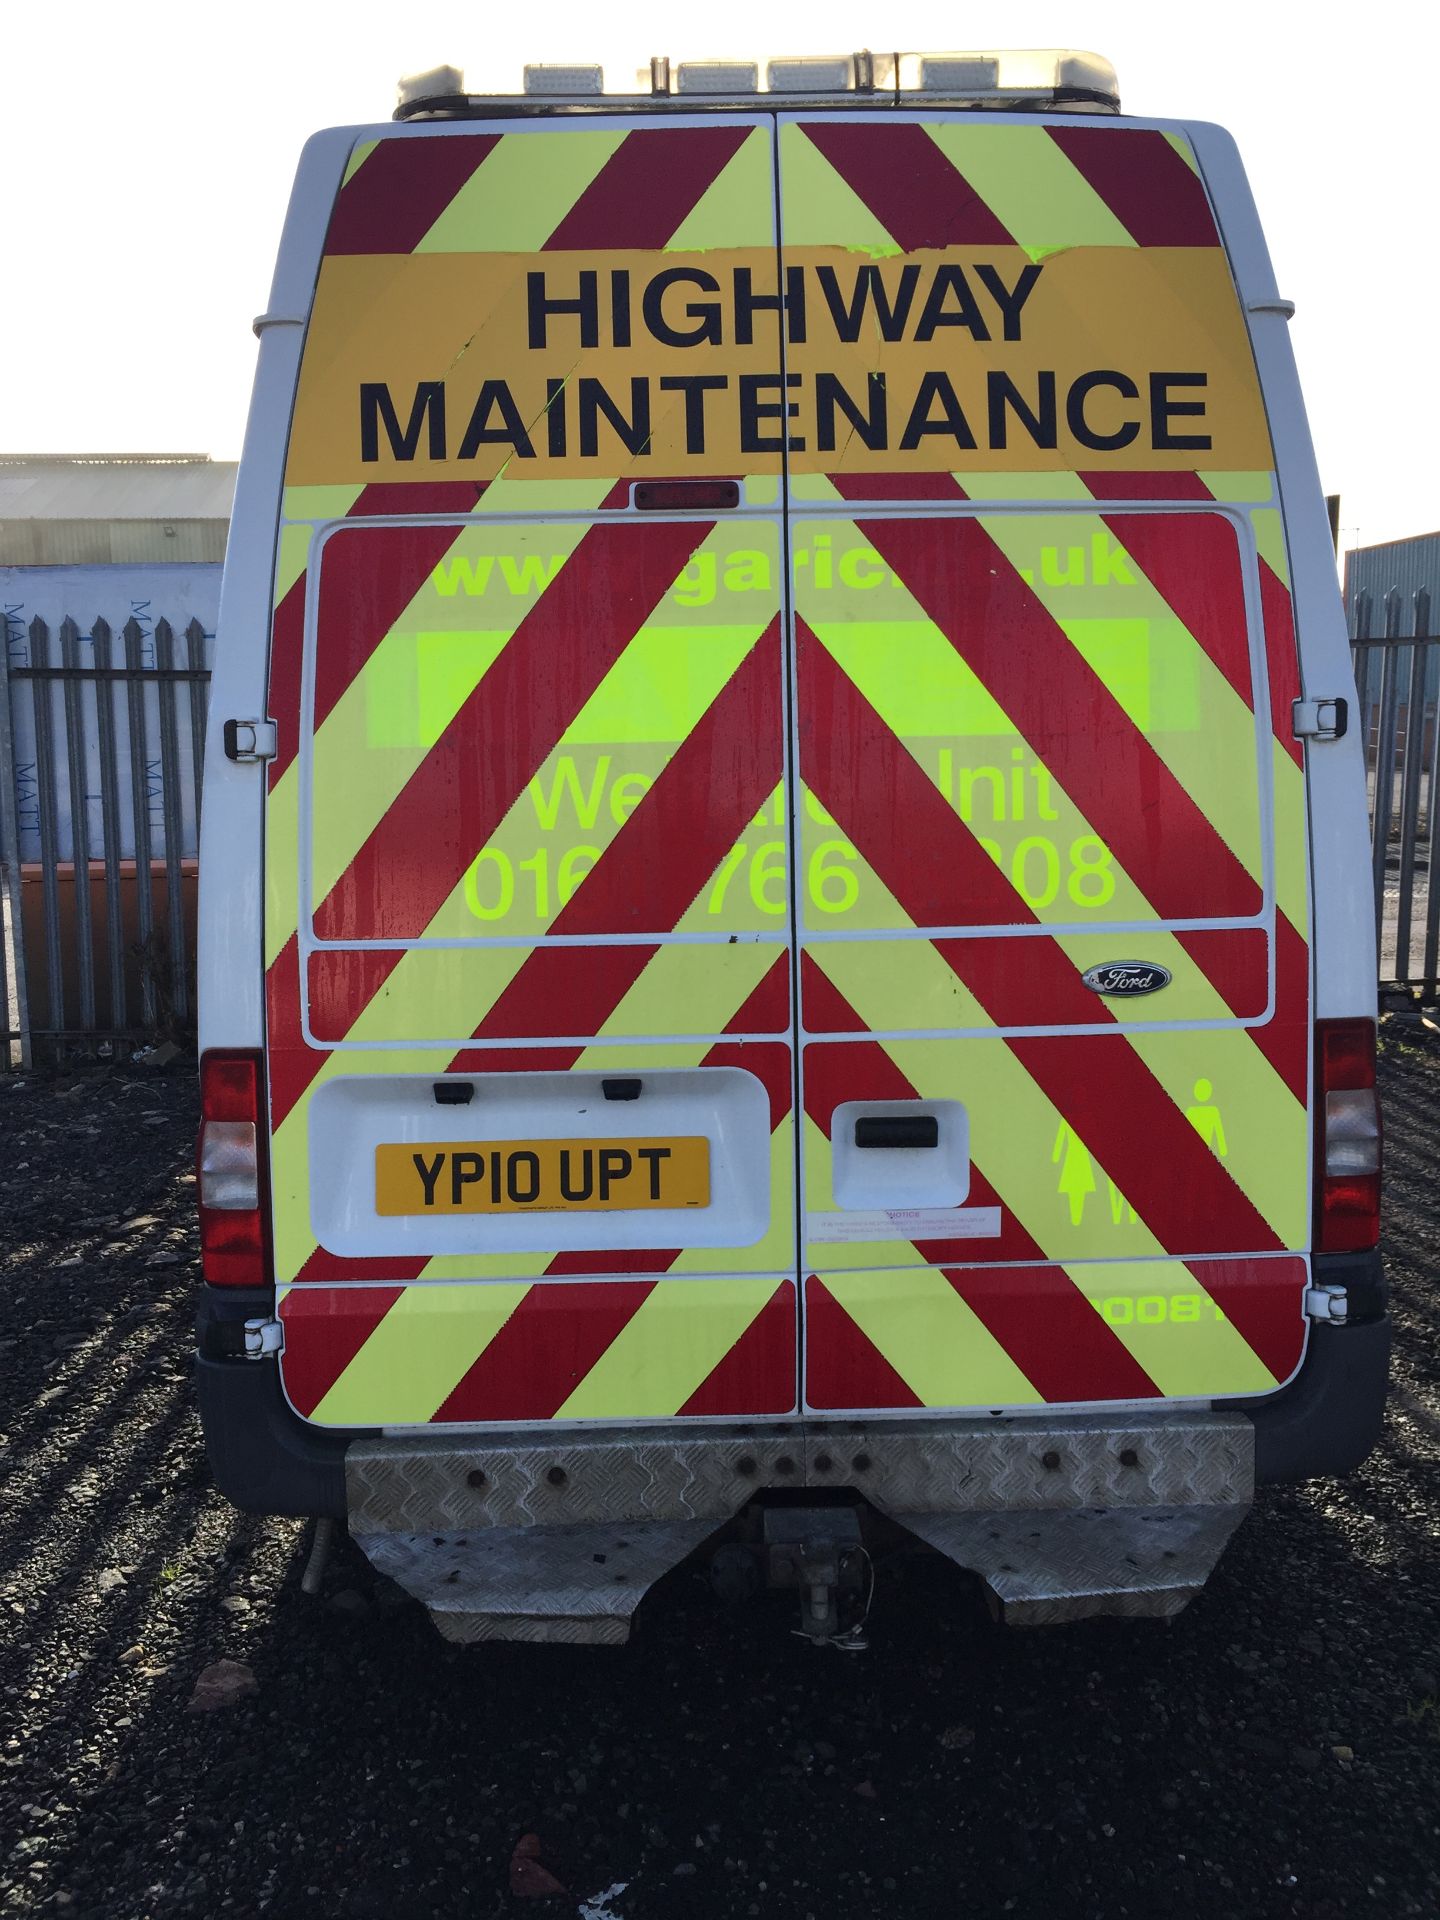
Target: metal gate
(102,742)
(1397,677)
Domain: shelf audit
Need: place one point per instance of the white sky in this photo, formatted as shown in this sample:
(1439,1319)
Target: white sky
(149,146)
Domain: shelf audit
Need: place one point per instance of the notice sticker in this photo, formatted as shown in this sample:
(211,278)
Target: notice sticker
(906,1223)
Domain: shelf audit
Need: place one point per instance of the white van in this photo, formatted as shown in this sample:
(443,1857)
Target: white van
(784,929)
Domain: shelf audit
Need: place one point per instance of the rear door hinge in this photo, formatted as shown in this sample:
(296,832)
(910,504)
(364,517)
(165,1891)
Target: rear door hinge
(1321,719)
(249,740)
(263,1337)
(1328,1303)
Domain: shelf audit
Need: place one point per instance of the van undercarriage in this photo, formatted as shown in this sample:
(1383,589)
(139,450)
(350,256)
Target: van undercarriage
(510,1535)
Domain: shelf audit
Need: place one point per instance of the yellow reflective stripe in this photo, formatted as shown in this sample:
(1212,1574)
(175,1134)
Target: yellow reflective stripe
(1039,487)
(1013,1125)
(1236,489)
(1186,152)
(762,489)
(737,208)
(417,1355)
(1292,854)
(282,862)
(817,208)
(691,989)
(521,191)
(290,558)
(777,1249)
(1270,540)
(680,1333)
(1193,718)
(1188,1359)
(318,503)
(512,493)
(943,1352)
(486,1266)
(813,486)
(1030,186)
(359,154)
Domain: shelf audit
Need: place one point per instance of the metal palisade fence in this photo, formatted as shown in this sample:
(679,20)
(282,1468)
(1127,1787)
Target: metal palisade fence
(102,741)
(1397,674)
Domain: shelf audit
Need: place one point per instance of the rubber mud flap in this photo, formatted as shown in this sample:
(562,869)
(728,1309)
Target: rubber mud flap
(263,1456)
(1329,1418)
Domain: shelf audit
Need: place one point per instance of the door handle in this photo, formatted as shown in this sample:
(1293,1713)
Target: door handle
(897,1130)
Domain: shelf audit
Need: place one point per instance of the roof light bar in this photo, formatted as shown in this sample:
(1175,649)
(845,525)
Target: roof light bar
(717,76)
(1048,79)
(565,81)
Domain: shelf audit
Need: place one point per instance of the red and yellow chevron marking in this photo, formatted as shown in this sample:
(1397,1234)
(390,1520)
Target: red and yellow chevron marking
(580,1350)
(1143,1248)
(626,287)
(1071,1337)
(968,1338)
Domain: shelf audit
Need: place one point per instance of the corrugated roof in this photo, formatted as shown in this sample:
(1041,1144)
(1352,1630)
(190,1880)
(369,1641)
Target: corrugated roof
(1401,566)
(115,486)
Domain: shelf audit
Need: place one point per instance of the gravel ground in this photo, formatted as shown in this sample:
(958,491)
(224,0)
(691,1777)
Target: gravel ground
(1274,1752)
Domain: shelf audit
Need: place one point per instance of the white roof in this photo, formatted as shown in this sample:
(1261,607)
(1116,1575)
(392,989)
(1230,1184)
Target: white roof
(115,486)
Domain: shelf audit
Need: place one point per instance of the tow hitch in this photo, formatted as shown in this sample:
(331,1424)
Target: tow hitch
(818,1551)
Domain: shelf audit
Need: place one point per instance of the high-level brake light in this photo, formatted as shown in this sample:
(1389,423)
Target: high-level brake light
(1347,1137)
(230,1172)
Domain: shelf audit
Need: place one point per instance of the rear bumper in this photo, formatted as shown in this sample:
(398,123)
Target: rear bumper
(265,1459)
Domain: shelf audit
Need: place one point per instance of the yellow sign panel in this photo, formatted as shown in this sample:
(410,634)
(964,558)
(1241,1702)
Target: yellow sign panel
(450,366)
(541,1176)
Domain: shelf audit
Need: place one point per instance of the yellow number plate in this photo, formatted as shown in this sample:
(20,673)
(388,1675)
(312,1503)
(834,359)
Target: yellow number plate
(541,1176)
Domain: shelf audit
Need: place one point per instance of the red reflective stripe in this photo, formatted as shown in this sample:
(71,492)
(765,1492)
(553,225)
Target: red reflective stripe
(287,655)
(1193,562)
(913,190)
(321,1265)
(924,852)
(555,1336)
(1073,723)
(415,497)
(843,1370)
(368,577)
(1151,191)
(626,1260)
(323,1333)
(456,798)
(647,187)
(758,1374)
(290,1063)
(1052,1333)
(1230,968)
(343,983)
(1264,1300)
(894,486)
(1282,659)
(400,190)
(1145,486)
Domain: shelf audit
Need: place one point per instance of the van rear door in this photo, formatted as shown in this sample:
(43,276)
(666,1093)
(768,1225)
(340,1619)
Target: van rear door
(1054,997)
(529,932)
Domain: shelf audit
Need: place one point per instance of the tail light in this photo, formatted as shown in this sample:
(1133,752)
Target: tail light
(1347,1137)
(230,1172)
